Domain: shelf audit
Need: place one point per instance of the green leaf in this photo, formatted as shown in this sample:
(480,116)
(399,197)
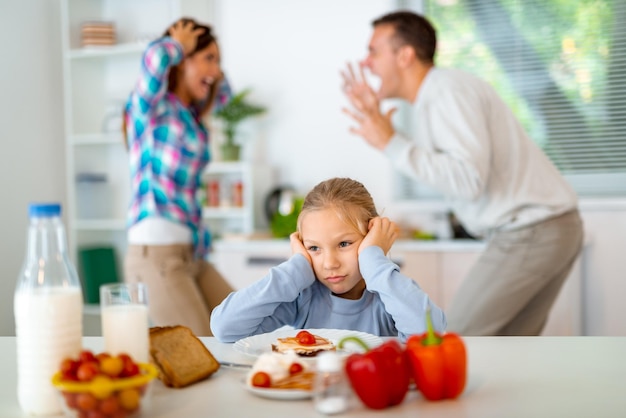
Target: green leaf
(234,112)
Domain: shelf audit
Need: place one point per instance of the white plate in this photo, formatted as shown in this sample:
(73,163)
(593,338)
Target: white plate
(282,394)
(259,344)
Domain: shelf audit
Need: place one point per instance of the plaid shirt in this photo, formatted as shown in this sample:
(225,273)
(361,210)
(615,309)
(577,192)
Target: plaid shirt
(168,146)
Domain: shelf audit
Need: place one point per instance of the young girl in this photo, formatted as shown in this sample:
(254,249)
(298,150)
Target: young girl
(338,275)
(180,82)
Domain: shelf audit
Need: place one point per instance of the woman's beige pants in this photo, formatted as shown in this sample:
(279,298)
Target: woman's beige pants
(182,290)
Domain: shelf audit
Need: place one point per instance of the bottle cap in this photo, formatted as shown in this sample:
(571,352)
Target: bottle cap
(329,361)
(44,210)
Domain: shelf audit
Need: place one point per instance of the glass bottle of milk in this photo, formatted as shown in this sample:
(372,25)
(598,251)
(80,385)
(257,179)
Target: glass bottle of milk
(48,311)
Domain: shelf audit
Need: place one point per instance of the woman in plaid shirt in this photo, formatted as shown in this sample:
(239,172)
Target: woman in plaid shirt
(180,82)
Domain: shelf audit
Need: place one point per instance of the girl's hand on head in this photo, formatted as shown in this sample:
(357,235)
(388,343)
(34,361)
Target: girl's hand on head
(382,233)
(186,35)
(297,247)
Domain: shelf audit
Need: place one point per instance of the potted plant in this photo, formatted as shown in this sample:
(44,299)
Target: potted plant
(231,114)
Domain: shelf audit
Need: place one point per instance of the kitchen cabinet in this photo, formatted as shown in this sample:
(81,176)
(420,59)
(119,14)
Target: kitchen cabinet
(440,274)
(97,81)
(244,262)
(437,266)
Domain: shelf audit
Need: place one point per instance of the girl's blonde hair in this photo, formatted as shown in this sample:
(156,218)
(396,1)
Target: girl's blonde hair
(350,199)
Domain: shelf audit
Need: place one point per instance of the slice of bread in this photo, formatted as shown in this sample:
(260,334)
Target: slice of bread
(182,359)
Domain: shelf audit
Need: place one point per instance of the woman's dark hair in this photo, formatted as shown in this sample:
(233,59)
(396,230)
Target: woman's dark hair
(201,108)
(413,30)
(204,40)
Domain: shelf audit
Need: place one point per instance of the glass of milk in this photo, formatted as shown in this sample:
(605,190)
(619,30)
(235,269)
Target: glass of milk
(124,312)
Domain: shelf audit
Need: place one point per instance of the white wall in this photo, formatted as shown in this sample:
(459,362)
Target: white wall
(32,161)
(291,53)
(291,57)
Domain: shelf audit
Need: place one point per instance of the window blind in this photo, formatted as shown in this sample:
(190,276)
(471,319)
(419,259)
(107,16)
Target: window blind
(560,65)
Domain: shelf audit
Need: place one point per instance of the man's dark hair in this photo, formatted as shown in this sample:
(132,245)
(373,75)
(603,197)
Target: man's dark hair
(413,30)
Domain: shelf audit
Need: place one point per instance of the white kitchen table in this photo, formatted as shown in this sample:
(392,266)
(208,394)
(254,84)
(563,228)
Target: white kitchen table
(508,377)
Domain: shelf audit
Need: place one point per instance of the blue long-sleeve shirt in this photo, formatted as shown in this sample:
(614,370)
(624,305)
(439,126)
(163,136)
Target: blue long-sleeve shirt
(392,304)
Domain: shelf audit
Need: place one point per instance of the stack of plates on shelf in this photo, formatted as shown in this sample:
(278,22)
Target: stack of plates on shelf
(96,33)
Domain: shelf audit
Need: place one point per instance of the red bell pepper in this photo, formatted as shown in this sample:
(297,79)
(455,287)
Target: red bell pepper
(438,363)
(380,376)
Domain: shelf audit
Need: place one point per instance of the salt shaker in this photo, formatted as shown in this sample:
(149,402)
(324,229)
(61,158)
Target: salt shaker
(331,387)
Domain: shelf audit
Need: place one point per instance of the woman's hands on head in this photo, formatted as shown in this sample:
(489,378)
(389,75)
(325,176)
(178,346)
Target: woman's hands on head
(382,232)
(183,32)
(297,247)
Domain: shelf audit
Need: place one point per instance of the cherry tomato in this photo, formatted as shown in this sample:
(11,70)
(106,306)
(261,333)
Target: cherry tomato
(261,380)
(109,406)
(86,356)
(295,368)
(69,368)
(130,369)
(125,357)
(87,371)
(112,366)
(70,400)
(129,399)
(86,401)
(101,388)
(305,338)
(102,356)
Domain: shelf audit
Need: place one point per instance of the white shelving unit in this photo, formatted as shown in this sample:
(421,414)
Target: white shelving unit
(226,217)
(97,81)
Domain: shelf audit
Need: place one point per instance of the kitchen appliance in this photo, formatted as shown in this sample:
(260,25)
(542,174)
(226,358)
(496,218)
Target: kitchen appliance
(282,207)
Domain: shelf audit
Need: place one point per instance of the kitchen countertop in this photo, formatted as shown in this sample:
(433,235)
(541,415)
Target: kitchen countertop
(507,377)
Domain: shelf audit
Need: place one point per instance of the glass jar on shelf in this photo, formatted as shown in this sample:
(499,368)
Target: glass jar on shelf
(237,193)
(213,197)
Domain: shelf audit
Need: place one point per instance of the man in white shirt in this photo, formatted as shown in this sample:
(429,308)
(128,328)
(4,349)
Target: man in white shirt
(468,145)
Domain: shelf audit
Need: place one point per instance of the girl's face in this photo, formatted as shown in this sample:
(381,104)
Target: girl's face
(200,71)
(333,246)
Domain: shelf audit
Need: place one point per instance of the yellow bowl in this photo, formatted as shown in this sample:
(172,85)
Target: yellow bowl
(120,397)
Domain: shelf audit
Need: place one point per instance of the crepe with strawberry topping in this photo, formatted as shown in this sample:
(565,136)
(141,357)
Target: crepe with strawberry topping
(303,344)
